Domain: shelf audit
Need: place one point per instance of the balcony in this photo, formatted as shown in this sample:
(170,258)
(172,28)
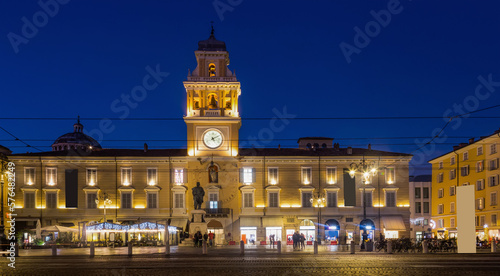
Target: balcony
(217,212)
(220,79)
(212,113)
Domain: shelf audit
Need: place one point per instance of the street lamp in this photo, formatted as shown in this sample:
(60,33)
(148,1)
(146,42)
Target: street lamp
(106,201)
(320,201)
(367,169)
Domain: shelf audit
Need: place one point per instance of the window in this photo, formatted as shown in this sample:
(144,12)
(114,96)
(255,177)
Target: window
(452,190)
(273,200)
(480,166)
(29,200)
(452,207)
(480,185)
(452,160)
(349,219)
(91,197)
(331,175)
(480,150)
(247,200)
(331,199)
(51,176)
(493,198)
(390,175)
(126,200)
(440,178)
(440,223)
(477,220)
(91,176)
(493,148)
(390,199)
(440,193)
(452,223)
(417,192)
(178,201)
(426,207)
(152,176)
(464,171)
(493,164)
(418,207)
(493,180)
(306,175)
(247,175)
(480,203)
(51,200)
(211,70)
(481,221)
(306,199)
(426,222)
(426,192)
(369,198)
(126,176)
(453,174)
(440,165)
(213,200)
(272,176)
(152,200)
(29,176)
(179,176)
(466,156)
(440,208)
(494,220)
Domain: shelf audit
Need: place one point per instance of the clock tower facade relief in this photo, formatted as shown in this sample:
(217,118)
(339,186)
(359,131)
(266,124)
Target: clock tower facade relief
(212,115)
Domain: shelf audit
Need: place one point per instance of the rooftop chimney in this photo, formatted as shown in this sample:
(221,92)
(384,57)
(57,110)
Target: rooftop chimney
(471,140)
(145,147)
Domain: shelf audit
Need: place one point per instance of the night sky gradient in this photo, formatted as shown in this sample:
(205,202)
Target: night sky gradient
(286,54)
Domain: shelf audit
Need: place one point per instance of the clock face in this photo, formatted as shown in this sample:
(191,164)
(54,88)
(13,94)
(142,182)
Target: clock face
(212,139)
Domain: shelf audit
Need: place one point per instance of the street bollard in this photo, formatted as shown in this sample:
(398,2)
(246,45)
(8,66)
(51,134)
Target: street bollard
(353,247)
(315,247)
(92,250)
(242,248)
(389,246)
(279,247)
(167,248)
(16,250)
(425,247)
(54,250)
(493,246)
(130,249)
(204,248)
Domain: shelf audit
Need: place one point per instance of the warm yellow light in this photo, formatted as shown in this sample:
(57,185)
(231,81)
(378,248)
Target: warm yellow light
(152,182)
(378,205)
(109,207)
(285,205)
(91,183)
(273,182)
(62,207)
(296,206)
(30,182)
(341,205)
(139,207)
(191,152)
(40,207)
(126,183)
(306,182)
(352,173)
(234,153)
(389,182)
(261,206)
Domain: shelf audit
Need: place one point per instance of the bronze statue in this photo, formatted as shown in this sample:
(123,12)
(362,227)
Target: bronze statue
(198,194)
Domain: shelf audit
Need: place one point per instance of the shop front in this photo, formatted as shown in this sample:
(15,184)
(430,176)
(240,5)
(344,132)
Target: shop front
(366,230)
(216,227)
(308,229)
(392,226)
(248,234)
(332,229)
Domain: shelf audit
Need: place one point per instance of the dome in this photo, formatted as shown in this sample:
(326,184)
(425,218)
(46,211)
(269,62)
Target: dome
(211,44)
(75,140)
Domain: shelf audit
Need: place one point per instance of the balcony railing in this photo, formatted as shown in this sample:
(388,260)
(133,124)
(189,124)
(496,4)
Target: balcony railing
(228,79)
(217,212)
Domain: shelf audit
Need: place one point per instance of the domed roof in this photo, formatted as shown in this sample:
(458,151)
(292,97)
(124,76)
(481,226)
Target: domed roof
(75,139)
(211,44)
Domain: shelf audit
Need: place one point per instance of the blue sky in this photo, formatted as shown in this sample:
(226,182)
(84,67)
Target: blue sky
(427,60)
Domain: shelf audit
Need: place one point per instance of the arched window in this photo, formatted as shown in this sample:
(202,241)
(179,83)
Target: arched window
(308,145)
(323,146)
(316,145)
(211,70)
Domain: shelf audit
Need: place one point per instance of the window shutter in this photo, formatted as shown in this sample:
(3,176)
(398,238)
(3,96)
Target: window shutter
(253,175)
(241,175)
(184,176)
(172,175)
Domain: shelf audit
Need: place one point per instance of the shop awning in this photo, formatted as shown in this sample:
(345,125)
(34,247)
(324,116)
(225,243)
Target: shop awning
(272,222)
(249,222)
(394,223)
(181,223)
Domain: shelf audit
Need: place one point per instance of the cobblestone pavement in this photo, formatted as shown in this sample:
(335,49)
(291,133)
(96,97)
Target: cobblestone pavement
(256,261)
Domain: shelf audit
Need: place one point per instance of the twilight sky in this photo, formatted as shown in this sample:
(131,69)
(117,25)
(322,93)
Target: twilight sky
(314,59)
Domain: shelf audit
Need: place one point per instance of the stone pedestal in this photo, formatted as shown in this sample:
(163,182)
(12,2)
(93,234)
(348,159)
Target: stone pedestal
(197,222)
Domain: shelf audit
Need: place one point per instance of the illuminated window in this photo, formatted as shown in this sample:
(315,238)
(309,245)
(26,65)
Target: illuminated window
(126,176)
(390,175)
(247,175)
(331,175)
(29,176)
(272,176)
(152,176)
(480,185)
(179,176)
(211,70)
(29,200)
(273,199)
(51,176)
(480,166)
(91,176)
(213,199)
(91,200)
(51,200)
(126,200)
(480,203)
(480,150)
(152,200)
(306,175)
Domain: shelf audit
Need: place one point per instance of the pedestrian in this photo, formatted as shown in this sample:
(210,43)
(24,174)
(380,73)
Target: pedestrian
(302,241)
(205,237)
(210,238)
(195,238)
(271,240)
(296,239)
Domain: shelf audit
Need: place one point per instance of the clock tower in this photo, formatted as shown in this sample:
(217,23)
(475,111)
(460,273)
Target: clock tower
(212,117)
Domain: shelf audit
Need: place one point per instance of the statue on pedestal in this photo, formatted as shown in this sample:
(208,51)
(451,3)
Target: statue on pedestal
(213,173)
(198,194)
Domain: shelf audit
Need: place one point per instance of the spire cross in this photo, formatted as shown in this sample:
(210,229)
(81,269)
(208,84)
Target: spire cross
(212,23)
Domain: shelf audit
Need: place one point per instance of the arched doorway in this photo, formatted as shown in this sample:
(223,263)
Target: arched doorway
(308,229)
(216,227)
(332,228)
(368,226)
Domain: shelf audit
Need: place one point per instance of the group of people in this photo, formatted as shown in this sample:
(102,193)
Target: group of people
(198,238)
(298,240)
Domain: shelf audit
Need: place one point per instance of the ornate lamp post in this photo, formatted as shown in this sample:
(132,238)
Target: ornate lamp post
(319,202)
(366,169)
(106,201)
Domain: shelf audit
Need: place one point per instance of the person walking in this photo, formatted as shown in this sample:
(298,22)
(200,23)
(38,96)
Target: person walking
(195,238)
(205,238)
(271,240)
(210,238)
(302,241)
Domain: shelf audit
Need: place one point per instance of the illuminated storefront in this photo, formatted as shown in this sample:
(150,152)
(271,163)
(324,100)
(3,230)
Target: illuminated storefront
(145,233)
